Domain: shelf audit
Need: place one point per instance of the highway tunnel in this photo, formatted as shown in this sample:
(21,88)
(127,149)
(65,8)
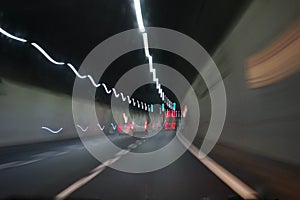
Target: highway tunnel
(105,100)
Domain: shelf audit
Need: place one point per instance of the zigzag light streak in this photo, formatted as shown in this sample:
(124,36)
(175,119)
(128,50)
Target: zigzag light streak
(84,130)
(128,99)
(123,98)
(75,71)
(133,102)
(93,82)
(101,127)
(106,90)
(115,93)
(46,55)
(12,36)
(52,131)
(113,126)
(139,17)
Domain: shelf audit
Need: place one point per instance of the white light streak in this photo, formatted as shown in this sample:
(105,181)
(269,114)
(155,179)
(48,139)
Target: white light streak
(146,45)
(52,131)
(101,127)
(12,36)
(45,54)
(128,99)
(123,98)
(84,130)
(139,17)
(93,82)
(106,90)
(133,102)
(113,126)
(115,93)
(75,71)
(138,103)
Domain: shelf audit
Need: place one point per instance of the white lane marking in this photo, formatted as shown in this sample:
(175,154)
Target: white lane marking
(38,157)
(61,153)
(93,173)
(84,130)
(17,163)
(44,154)
(228,178)
(105,164)
(29,162)
(132,146)
(9,165)
(76,185)
(121,153)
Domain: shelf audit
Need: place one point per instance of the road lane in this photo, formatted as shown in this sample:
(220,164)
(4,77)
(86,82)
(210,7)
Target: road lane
(186,178)
(54,172)
(64,163)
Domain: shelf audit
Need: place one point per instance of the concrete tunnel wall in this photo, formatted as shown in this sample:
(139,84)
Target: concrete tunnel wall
(263,120)
(25,109)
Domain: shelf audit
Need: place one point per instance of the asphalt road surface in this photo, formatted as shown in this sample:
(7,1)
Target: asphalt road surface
(42,171)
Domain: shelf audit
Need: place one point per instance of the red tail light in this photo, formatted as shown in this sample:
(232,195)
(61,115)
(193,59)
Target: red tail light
(146,125)
(120,128)
(166,125)
(173,125)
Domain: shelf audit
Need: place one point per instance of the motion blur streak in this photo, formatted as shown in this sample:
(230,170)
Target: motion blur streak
(52,131)
(255,45)
(40,49)
(93,82)
(83,129)
(77,185)
(65,193)
(139,17)
(46,55)
(232,181)
(277,61)
(75,72)
(138,12)
(11,36)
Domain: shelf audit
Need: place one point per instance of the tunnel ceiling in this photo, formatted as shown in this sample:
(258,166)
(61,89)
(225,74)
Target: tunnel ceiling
(70,29)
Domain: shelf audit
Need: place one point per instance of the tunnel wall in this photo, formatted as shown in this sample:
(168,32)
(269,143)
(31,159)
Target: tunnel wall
(25,109)
(263,120)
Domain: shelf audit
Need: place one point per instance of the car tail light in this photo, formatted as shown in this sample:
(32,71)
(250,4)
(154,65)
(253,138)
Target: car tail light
(173,125)
(128,127)
(132,125)
(120,128)
(167,125)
